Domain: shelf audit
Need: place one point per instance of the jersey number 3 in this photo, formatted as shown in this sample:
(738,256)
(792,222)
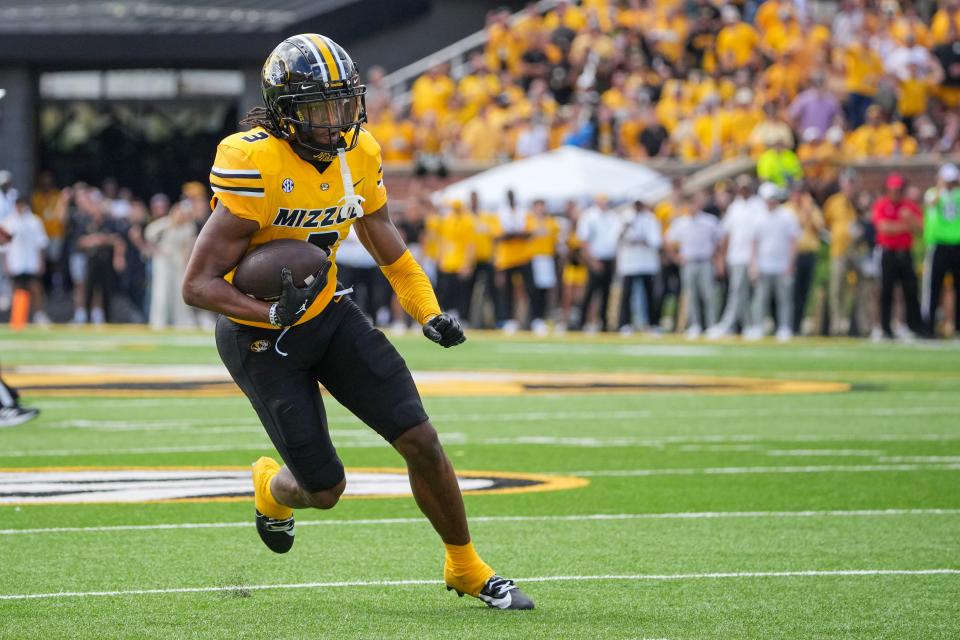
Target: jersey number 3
(323,239)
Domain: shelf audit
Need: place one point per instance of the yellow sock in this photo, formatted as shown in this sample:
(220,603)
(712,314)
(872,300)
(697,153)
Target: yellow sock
(464,569)
(264,470)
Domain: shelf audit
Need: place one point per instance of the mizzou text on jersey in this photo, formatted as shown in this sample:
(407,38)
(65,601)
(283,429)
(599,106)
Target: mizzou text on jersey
(261,178)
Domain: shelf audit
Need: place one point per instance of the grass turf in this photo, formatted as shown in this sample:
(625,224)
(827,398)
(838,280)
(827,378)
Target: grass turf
(892,442)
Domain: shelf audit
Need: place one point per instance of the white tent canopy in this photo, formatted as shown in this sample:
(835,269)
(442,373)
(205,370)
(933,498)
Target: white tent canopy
(560,175)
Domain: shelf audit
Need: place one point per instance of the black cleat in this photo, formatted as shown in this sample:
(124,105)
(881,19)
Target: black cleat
(15,415)
(501,593)
(276,534)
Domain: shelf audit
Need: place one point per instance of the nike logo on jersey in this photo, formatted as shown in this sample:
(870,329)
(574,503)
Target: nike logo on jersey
(316,218)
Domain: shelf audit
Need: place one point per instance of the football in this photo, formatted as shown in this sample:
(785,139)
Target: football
(258,274)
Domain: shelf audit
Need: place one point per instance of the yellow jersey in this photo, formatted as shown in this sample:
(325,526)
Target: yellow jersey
(485,225)
(512,250)
(261,178)
(455,236)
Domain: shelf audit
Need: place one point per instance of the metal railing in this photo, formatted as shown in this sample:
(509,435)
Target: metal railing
(398,82)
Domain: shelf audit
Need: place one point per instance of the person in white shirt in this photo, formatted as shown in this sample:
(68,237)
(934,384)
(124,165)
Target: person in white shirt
(8,194)
(694,237)
(599,231)
(772,263)
(737,225)
(638,262)
(25,254)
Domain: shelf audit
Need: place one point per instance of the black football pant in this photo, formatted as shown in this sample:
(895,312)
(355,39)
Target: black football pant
(454,293)
(945,259)
(598,283)
(482,273)
(626,299)
(802,282)
(371,290)
(505,292)
(340,349)
(897,267)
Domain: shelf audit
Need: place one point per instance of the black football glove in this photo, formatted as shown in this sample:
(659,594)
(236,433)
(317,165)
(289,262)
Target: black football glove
(445,330)
(294,301)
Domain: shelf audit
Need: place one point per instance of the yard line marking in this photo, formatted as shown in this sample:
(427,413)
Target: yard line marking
(627,414)
(831,453)
(941,459)
(692,515)
(456,438)
(827,468)
(564,578)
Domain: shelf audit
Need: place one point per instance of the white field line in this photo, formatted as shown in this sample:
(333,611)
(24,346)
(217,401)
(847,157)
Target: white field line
(594,416)
(594,517)
(403,583)
(357,441)
(826,468)
(829,453)
(129,403)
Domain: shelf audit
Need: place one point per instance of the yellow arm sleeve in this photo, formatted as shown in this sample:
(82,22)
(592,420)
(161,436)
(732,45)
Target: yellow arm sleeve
(413,288)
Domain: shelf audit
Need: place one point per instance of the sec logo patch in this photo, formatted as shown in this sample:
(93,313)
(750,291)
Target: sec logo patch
(259,346)
(287,185)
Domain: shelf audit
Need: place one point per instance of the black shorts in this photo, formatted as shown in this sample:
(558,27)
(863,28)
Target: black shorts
(24,280)
(339,349)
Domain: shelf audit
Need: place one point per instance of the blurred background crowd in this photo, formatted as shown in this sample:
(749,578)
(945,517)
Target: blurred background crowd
(795,242)
(698,80)
(744,256)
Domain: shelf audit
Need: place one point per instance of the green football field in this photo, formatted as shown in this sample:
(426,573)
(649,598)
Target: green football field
(679,490)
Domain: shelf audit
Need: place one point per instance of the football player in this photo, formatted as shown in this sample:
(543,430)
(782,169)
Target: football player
(308,170)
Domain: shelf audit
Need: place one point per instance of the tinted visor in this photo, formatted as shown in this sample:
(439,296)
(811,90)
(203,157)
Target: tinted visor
(337,113)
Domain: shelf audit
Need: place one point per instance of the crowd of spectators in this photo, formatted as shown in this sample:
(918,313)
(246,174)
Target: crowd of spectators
(700,80)
(103,254)
(715,263)
(742,258)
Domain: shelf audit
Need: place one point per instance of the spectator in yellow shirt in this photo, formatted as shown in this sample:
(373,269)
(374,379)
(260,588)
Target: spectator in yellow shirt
(737,41)
(863,70)
(768,14)
(840,217)
(872,139)
(478,87)
(431,91)
(481,139)
(914,90)
(901,144)
(940,26)
(481,283)
(511,259)
(707,130)
(566,15)
(808,214)
(545,233)
(817,157)
(395,136)
(456,248)
(504,47)
(738,122)
(784,35)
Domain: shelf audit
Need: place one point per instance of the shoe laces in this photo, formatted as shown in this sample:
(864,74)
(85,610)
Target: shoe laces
(278,525)
(497,587)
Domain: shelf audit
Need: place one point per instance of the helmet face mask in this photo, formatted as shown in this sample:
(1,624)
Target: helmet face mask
(313,96)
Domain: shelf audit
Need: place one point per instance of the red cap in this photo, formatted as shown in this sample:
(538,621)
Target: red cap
(894,181)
